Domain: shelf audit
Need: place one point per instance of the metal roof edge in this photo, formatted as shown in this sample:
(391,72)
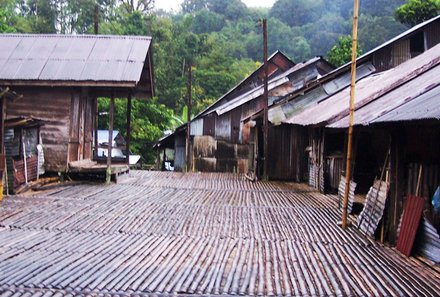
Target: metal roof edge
(208,109)
(138,37)
(392,40)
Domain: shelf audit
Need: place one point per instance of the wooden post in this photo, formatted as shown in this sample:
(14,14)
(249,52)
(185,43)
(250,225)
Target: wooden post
(96,121)
(110,140)
(2,145)
(128,136)
(188,123)
(96,19)
(163,159)
(2,124)
(350,126)
(266,103)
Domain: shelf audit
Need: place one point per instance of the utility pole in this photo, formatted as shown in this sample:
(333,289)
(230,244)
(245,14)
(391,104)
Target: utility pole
(188,123)
(266,103)
(348,167)
(96,19)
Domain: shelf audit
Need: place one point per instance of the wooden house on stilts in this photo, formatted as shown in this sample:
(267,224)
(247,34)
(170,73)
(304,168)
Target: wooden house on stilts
(59,79)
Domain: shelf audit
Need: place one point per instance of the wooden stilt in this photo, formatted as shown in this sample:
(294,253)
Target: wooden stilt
(128,133)
(110,140)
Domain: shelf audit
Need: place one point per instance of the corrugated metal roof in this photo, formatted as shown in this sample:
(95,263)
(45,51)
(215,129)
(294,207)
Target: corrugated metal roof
(367,90)
(383,45)
(419,89)
(424,107)
(96,58)
(300,100)
(276,58)
(273,83)
(248,96)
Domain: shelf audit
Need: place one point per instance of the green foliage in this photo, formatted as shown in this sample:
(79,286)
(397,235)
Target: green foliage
(417,11)
(341,53)
(297,12)
(206,21)
(377,30)
(5,22)
(145,130)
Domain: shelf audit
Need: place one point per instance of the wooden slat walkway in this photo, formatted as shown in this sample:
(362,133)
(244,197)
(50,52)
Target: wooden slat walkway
(194,234)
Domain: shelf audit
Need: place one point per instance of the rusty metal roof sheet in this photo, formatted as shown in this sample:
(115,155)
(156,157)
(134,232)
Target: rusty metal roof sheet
(96,58)
(300,100)
(414,100)
(272,84)
(278,58)
(368,89)
(424,107)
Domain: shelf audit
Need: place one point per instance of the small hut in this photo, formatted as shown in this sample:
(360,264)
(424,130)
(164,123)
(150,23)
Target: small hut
(61,77)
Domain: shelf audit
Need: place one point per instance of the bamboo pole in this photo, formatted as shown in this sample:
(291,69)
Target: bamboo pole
(266,103)
(350,126)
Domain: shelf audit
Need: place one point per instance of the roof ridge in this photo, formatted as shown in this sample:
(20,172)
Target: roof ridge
(56,35)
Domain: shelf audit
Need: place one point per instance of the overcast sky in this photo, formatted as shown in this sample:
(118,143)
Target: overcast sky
(175,4)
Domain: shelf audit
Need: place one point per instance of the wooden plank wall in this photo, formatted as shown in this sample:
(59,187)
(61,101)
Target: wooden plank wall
(81,126)
(52,105)
(68,114)
(287,145)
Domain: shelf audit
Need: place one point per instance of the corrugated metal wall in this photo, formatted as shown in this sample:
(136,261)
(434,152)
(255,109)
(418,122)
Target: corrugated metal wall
(197,127)
(223,127)
(400,52)
(252,107)
(432,34)
(209,124)
(316,160)
(52,105)
(20,172)
(287,156)
(334,165)
(179,151)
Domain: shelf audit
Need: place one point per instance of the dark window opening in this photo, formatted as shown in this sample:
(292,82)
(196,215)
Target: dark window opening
(417,44)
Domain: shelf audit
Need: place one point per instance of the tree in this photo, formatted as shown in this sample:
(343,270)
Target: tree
(192,6)
(42,15)
(6,16)
(379,8)
(340,53)
(206,21)
(297,12)
(149,120)
(417,11)
(377,30)
(143,6)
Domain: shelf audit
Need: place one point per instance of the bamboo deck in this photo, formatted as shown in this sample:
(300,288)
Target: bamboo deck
(159,233)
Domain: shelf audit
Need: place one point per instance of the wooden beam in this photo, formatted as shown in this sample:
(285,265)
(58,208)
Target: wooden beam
(4,91)
(128,134)
(110,139)
(2,124)
(69,83)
